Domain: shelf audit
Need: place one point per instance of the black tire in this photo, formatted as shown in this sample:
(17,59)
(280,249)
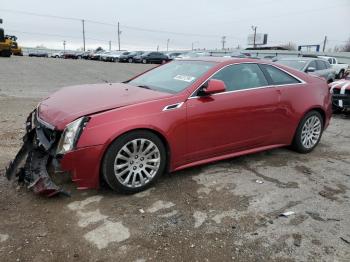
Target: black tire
(130,60)
(297,144)
(111,153)
(144,61)
(5,53)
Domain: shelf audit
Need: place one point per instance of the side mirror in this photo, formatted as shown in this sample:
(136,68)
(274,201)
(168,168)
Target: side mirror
(310,69)
(214,86)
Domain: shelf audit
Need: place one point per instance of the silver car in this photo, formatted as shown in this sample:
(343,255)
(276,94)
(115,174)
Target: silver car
(316,66)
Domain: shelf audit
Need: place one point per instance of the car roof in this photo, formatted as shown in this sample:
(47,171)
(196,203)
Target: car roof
(220,59)
(299,58)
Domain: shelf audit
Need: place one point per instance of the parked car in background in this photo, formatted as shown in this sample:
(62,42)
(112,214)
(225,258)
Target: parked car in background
(340,68)
(315,66)
(97,55)
(129,56)
(104,55)
(238,54)
(38,54)
(178,115)
(85,55)
(173,55)
(112,56)
(192,54)
(57,55)
(152,57)
(340,91)
(70,55)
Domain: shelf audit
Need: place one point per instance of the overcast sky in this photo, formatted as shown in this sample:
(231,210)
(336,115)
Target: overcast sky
(201,22)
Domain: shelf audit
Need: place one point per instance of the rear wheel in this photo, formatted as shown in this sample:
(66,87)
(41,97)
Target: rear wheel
(134,161)
(309,132)
(130,60)
(144,61)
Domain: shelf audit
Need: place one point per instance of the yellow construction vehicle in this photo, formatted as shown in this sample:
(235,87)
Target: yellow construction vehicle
(5,44)
(15,49)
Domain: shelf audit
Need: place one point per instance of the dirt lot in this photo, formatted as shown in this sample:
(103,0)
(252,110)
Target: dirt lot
(215,212)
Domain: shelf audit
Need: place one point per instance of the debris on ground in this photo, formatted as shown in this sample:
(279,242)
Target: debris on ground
(345,240)
(287,214)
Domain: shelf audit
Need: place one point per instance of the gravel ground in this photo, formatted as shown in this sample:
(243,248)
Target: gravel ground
(225,211)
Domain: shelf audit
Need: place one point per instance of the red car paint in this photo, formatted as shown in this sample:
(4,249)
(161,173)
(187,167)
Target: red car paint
(202,130)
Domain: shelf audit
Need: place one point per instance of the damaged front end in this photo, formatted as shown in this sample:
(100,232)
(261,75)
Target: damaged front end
(38,152)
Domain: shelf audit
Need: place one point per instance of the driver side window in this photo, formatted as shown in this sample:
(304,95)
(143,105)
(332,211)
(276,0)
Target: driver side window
(241,76)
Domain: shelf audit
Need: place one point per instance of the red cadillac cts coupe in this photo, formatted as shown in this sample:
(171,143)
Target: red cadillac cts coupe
(178,115)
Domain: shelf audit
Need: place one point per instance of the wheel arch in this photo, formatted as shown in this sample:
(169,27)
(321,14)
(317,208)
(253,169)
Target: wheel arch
(153,131)
(314,108)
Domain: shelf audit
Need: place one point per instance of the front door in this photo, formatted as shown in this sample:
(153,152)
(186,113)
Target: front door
(243,117)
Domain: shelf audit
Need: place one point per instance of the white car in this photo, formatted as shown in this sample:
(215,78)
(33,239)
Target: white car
(57,55)
(112,56)
(340,68)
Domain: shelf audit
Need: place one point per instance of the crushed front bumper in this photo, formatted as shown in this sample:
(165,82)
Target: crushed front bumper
(36,154)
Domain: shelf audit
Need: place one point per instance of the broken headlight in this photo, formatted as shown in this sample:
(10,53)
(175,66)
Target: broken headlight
(71,135)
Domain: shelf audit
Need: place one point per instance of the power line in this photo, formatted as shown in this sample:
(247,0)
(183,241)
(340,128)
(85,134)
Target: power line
(56,35)
(41,15)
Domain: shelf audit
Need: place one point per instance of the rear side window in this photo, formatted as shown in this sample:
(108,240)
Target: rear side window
(241,76)
(278,77)
(320,65)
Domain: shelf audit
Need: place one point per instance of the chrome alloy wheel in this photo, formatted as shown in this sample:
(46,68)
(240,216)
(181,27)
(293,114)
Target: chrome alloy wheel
(137,162)
(311,132)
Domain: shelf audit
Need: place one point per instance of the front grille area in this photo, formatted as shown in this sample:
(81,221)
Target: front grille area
(336,91)
(344,98)
(46,136)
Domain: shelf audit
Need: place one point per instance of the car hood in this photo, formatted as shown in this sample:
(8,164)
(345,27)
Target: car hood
(73,102)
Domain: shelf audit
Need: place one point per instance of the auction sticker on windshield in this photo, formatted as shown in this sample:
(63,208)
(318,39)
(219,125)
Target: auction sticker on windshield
(184,78)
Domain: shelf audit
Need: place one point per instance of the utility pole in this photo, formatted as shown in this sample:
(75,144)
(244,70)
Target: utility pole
(157,48)
(119,33)
(324,43)
(254,29)
(167,44)
(223,41)
(64,46)
(110,45)
(83,21)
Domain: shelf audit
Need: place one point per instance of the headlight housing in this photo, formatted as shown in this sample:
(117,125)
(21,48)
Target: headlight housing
(71,135)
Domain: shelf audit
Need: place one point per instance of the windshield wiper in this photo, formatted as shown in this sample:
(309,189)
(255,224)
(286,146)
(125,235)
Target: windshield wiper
(144,86)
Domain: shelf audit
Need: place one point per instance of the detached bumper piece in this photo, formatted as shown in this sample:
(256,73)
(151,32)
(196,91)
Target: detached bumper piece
(37,151)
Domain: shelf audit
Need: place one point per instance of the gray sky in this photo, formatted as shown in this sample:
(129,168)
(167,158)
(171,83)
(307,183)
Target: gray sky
(184,22)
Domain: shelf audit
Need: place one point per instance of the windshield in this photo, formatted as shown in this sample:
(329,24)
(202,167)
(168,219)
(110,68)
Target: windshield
(296,64)
(173,77)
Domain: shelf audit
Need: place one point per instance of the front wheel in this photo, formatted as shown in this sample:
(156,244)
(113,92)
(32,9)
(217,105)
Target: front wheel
(134,161)
(144,61)
(130,60)
(309,132)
